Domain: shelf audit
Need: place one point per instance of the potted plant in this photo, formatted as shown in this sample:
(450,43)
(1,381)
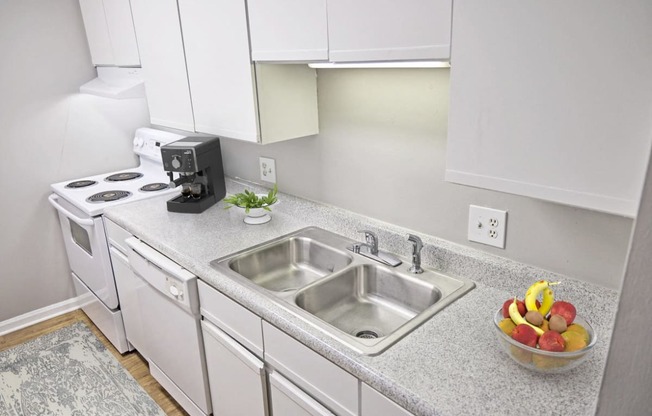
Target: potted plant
(255,206)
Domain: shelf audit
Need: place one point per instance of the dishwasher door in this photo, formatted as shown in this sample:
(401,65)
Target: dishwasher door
(170,318)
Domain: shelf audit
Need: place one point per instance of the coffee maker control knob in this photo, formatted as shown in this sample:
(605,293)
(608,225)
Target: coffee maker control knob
(176,162)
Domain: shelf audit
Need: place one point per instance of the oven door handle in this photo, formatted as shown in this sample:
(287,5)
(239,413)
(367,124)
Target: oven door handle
(53,198)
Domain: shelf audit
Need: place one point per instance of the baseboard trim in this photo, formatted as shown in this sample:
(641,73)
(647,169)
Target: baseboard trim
(39,315)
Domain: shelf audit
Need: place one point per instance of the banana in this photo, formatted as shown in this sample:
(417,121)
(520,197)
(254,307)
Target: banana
(533,293)
(518,319)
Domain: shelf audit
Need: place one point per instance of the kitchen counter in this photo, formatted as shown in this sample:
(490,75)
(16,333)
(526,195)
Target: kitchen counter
(451,364)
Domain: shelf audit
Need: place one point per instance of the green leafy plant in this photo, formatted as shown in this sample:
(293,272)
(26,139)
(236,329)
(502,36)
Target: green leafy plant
(249,200)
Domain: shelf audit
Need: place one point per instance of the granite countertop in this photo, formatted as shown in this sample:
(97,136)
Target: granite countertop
(451,364)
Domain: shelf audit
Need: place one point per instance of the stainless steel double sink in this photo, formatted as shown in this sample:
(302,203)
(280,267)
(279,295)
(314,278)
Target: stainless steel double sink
(361,303)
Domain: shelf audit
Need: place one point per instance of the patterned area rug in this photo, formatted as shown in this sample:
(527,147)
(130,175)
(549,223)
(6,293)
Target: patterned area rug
(69,372)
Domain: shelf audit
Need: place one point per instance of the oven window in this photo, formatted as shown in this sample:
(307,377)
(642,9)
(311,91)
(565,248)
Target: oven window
(80,236)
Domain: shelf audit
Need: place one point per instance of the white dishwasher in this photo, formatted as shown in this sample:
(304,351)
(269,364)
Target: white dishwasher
(169,310)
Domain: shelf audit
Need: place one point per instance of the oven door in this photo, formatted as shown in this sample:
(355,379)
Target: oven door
(88,250)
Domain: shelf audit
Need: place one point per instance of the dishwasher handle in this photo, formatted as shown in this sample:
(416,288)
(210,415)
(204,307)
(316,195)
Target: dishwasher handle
(157,259)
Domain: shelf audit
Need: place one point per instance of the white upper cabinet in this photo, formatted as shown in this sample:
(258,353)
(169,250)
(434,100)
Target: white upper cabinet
(389,30)
(110,32)
(552,100)
(219,67)
(199,75)
(349,30)
(288,30)
(164,64)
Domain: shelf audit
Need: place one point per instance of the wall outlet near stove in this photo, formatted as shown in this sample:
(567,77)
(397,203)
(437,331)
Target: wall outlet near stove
(267,169)
(487,226)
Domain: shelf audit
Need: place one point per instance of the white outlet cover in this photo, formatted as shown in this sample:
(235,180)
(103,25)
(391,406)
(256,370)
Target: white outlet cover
(267,169)
(487,226)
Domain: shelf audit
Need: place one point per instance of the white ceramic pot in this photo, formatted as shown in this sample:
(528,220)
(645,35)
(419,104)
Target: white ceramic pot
(257,215)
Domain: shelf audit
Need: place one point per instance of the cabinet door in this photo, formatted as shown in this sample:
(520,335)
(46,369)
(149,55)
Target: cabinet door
(389,30)
(236,377)
(373,403)
(287,399)
(220,71)
(121,32)
(288,30)
(97,31)
(539,106)
(163,61)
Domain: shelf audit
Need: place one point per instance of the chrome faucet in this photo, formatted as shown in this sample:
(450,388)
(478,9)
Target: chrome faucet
(417,245)
(370,250)
(371,241)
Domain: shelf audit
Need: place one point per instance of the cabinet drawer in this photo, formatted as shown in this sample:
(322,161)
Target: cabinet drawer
(232,318)
(328,383)
(373,403)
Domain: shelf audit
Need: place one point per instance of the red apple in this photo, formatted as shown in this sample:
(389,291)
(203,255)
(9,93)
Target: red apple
(519,303)
(565,309)
(525,334)
(552,341)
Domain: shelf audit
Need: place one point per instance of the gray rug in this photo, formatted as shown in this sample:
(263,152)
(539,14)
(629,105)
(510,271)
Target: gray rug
(69,372)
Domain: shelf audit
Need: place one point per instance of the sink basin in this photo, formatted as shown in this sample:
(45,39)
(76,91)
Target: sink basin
(363,304)
(290,263)
(368,301)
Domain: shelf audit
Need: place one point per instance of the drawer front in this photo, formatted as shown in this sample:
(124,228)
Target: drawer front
(232,318)
(374,403)
(325,381)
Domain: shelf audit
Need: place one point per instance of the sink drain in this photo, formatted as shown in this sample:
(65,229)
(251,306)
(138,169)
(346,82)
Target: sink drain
(367,334)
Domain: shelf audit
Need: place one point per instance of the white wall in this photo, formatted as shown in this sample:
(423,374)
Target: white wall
(50,133)
(381,152)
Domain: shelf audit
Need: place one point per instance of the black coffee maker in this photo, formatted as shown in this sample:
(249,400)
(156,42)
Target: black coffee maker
(198,162)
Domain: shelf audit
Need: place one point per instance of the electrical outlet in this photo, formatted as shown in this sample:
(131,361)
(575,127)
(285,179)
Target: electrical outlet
(487,226)
(267,169)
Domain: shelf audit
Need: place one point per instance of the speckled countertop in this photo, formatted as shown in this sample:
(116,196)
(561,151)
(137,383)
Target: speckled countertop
(451,364)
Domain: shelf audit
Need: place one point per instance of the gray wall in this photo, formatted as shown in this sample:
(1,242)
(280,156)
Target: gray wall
(50,133)
(381,152)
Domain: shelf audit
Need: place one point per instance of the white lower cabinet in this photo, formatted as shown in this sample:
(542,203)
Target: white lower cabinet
(288,399)
(336,389)
(233,341)
(236,377)
(255,369)
(373,403)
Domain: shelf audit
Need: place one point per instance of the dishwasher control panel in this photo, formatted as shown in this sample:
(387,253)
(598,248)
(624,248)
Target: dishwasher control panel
(164,275)
(174,288)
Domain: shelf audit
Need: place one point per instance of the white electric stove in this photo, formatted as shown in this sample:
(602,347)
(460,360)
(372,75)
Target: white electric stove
(81,203)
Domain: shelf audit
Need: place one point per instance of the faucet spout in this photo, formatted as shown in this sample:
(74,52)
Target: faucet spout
(417,245)
(370,250)
(371,240)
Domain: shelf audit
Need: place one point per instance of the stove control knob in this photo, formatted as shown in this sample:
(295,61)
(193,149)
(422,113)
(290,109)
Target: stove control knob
(176,162)
(138,142)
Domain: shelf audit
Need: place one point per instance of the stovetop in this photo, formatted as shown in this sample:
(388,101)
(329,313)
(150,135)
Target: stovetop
(94,193)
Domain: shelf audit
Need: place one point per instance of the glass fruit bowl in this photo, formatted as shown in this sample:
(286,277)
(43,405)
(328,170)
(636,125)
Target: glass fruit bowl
(540,360)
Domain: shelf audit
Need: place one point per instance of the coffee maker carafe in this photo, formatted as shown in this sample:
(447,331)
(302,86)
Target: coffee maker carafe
(198,163)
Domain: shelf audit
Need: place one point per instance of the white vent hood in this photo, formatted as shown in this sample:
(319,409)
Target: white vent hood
(115,82)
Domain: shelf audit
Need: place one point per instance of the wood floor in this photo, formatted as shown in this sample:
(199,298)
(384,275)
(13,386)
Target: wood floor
(132,361)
